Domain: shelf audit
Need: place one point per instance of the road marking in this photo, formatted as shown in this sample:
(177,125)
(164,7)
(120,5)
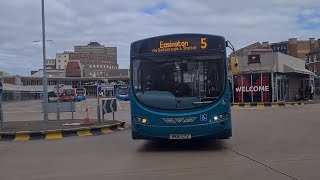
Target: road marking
(119,105)
(54,135)
(247,105)
(275,105)
(22,137)
(85,132)
(260,106)
(106,130)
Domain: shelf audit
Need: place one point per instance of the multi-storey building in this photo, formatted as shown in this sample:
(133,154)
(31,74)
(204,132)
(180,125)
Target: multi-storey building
(62,60)
(96,59)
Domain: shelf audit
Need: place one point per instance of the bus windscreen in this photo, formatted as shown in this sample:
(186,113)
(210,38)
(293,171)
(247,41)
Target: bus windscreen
(179,82)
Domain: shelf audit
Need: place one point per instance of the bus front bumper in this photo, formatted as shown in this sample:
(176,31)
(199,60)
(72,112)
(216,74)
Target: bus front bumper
(216,130)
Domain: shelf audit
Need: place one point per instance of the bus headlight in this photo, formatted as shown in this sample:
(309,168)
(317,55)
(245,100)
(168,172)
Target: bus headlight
(144,120)
(221,117)
(140,120)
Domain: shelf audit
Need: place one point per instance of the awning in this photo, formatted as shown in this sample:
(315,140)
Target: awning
(289,69)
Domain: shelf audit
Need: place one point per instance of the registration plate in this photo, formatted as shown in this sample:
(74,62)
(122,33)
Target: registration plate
(180,136)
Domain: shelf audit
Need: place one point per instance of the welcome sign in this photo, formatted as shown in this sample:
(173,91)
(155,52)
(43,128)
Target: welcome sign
(255,87)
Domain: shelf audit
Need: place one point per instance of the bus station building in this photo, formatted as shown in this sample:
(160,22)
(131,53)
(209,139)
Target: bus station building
(267,76)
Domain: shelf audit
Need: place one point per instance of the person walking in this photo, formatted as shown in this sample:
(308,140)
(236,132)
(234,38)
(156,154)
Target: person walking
(311,93)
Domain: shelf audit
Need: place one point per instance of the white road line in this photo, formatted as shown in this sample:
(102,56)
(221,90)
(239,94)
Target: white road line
(119,105)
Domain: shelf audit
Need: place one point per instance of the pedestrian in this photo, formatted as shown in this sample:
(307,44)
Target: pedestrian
(301,93)
(311,92)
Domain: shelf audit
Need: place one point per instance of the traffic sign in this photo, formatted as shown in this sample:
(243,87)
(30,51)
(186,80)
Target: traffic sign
(1,87)
(109,105)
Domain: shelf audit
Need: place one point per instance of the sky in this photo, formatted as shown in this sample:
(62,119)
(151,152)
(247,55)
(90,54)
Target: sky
(118,23)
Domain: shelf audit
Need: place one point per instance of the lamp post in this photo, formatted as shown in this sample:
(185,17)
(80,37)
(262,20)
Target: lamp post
(45,78)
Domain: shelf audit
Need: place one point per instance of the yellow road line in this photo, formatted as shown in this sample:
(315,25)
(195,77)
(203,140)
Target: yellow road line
(106,130)
(85,132)
(260,106)
(22,137)
(247,105)
(275,105)
(53,135)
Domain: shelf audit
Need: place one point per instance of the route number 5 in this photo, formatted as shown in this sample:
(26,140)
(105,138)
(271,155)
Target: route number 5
(204,43)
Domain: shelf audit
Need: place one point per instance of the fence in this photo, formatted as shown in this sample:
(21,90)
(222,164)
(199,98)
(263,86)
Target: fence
(20,96)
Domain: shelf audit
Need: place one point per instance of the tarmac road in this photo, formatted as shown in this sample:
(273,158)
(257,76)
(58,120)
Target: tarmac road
(269,143)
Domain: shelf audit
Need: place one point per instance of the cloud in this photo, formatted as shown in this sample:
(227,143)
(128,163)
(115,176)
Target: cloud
(156,8)
(118,23)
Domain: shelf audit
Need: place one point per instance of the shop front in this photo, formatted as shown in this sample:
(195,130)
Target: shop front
(274,77)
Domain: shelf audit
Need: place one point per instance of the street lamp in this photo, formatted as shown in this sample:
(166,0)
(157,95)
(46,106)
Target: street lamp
(48,40)
(45,78)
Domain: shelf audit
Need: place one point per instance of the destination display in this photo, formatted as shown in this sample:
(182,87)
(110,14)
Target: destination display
(179,43)
(183,45)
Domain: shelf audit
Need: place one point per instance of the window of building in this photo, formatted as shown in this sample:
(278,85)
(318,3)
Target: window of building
(65,56)
(65,61)
(59,66)
(59,60)
(94,66)
(90,66)
(104,66)
(315,57)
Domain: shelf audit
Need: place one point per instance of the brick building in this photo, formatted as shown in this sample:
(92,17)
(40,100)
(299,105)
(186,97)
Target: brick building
(96,59)
(313,61)
(296,48)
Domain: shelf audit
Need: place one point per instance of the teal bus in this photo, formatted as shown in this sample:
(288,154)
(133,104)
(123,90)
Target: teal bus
(179,88)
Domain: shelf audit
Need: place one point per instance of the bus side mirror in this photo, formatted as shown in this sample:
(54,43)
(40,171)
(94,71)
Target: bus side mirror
(234,65)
